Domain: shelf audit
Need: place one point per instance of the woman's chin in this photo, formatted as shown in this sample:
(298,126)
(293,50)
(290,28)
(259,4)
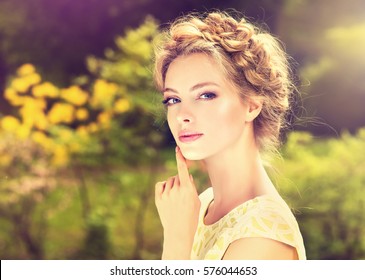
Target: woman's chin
(190,155)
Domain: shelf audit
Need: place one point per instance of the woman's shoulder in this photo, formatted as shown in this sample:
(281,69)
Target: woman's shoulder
(268,217)
(265,214)
(264,217)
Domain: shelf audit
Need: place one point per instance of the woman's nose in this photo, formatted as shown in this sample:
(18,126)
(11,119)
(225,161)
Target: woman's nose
(185,114)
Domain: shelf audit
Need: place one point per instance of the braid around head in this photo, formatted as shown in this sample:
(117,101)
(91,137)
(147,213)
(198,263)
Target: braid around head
(252,60)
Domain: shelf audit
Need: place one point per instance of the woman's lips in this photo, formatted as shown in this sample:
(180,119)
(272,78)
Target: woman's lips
(189,137)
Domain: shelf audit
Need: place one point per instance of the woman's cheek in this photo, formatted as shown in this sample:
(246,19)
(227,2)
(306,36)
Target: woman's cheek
(172,123)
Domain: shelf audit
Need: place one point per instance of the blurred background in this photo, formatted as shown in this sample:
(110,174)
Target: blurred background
(83,138)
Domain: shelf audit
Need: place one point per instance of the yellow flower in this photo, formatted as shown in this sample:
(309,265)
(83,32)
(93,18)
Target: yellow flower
(60,156)
(26,69)
(75,95)
(42,139)
(82,114)
(82,131)
(10,123)
(122,105)
(103,94)
(33,112)
(33,79)
(23,131)
(92,127)
(5,160)
(75,147)
(104,119)
(45,89)
(23,83)
(41,121)
(20,85)
(61,112)
(65,135)
(12,96)
(10,93)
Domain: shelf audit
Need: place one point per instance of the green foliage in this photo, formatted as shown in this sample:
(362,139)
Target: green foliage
(133,136)
(123,136)
(130,64)
(324,181)
(24,183)
(96,243)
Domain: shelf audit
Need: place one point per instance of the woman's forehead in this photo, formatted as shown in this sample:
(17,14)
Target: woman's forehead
(193,67)
(186,71)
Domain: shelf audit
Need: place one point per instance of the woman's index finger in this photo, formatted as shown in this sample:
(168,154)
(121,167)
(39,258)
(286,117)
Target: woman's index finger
(182,168)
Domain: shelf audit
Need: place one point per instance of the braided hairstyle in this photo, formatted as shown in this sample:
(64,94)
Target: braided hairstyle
(252,60)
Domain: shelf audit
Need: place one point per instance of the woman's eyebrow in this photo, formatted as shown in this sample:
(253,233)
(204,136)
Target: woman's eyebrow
(195,87)
(204,84)
(170,89)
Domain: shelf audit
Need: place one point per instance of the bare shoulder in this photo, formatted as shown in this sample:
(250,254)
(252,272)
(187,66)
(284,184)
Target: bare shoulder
(259,248)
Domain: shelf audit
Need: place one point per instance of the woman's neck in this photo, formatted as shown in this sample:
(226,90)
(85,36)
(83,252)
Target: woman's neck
(237,175)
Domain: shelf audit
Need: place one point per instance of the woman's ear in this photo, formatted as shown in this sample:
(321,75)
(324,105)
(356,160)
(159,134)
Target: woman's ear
(254,107)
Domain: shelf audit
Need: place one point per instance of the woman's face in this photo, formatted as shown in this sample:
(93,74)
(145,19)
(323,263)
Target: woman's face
(204,111)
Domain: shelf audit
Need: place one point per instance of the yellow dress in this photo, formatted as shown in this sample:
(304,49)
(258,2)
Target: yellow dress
(264,216)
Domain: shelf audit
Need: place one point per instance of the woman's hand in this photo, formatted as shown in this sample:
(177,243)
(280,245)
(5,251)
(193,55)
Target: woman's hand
(178,205)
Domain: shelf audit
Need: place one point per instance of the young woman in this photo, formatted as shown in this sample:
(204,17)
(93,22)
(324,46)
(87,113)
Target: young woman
(226,85)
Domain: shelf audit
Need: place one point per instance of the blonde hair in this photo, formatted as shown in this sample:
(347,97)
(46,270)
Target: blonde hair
(251,58)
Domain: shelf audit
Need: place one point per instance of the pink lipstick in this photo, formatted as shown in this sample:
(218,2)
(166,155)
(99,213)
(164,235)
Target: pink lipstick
(188,137)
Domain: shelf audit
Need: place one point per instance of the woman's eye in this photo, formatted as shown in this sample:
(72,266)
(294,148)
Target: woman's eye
(208,95)
(170,101)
